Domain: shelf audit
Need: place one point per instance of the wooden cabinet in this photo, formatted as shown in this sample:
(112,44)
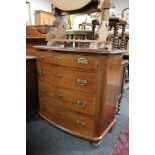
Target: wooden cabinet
(78,89)
(36,35)
(32,103)
(123,84)
(44,18)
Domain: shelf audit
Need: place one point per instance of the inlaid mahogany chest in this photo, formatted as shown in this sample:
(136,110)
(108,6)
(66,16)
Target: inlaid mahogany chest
(78,89)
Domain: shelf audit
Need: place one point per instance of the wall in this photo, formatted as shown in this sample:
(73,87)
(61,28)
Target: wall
(46,6)
(39,5)
(78,19)
(120,5)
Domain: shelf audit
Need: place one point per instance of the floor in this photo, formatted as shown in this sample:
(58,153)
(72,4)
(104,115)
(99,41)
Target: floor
(44,139)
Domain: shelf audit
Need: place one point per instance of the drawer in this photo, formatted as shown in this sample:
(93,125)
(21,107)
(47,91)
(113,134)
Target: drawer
(67,78)
(55,115)
(51,100)
(69,60)
(69,120)
(72,100)
(50,95)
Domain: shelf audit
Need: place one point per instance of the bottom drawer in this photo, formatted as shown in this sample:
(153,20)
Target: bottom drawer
(72,121)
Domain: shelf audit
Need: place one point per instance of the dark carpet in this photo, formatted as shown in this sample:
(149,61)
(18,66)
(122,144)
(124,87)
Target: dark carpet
(44,139)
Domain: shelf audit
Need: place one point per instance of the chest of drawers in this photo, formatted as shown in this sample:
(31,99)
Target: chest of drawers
(78,89)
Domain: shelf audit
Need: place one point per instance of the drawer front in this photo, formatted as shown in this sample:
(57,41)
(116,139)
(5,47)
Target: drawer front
(67,78)
(69,60)
(55,115)
(72,100)
(51,100)
(49,94)
(69,120)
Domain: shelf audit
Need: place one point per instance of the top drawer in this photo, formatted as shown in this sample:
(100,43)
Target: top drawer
(69,60)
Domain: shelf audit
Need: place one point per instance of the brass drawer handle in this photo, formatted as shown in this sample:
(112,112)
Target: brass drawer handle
(43,90)
(42,57)
(57,75)
(58,96)
(80,104)
(81,82)
(58,114)
(80,123)
(57,58)
(41,72)
(82,61)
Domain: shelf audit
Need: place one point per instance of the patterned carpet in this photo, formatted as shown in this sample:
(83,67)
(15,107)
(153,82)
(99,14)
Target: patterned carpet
(122,145)
(43,138)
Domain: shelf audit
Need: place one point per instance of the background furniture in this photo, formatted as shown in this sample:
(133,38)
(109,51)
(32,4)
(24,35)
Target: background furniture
(32,103)
(78,89)
(44,18)
(78,35)
(123,83)
(119,40)
(36,35)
